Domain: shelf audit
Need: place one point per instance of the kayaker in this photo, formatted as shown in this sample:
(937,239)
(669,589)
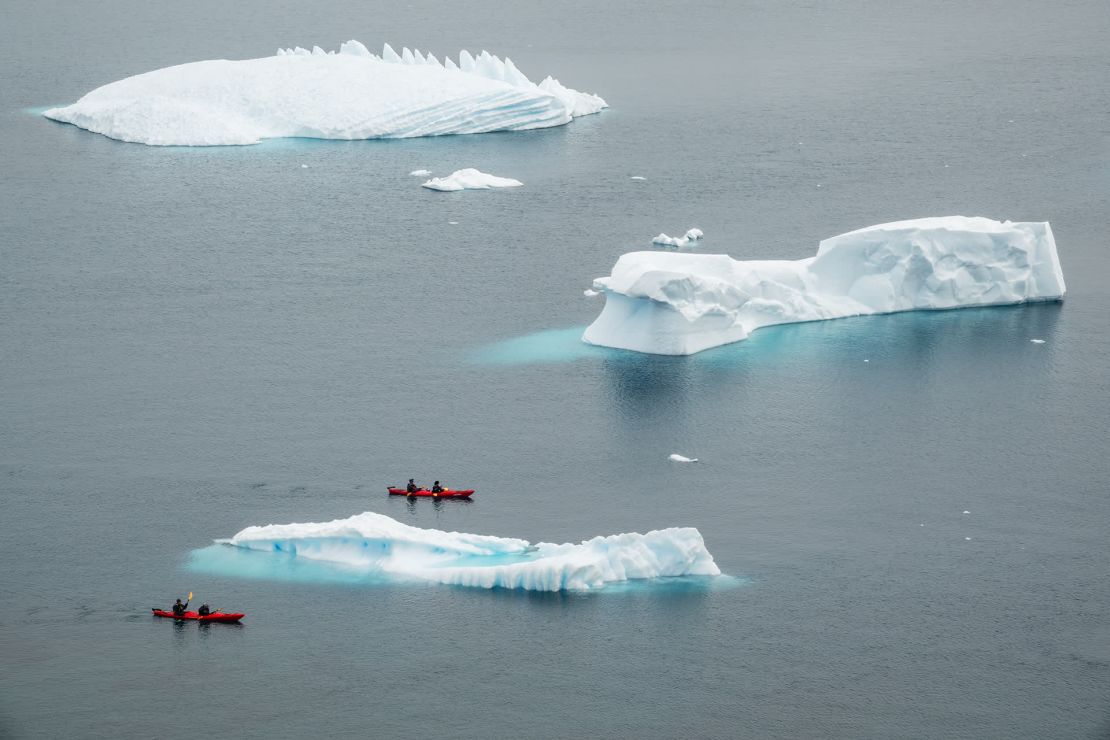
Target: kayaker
(412,487)
(179,608)
(437,488)
(204,611)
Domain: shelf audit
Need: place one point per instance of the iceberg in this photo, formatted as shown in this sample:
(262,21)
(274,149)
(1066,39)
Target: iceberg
(375,543)
(470,179)
(352,94)
(678,304)
(675,457)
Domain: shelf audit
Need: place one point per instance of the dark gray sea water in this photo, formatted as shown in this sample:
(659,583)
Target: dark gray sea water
(196,340)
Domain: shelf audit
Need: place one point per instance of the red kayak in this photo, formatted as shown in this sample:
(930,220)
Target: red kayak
(213,617)
(447,493)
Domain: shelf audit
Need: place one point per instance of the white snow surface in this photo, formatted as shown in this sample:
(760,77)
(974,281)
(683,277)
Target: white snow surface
(678,304)
(470,179)
(675,457)
(377,543)
(352,94)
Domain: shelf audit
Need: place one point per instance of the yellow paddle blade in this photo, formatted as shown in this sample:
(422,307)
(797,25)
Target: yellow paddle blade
(190,596)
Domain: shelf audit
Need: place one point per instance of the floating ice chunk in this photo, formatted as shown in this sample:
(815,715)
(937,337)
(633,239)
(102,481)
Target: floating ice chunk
(375,543)
(420,173)
(967,512)
(316,94)
(637,177)
(453,223)
(691,235)
(590,293)
(679,304)
(1037,341)
(304,166)
(681,458)
(470,179)
(669,241)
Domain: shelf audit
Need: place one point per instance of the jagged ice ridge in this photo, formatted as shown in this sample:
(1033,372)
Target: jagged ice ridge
(352,94)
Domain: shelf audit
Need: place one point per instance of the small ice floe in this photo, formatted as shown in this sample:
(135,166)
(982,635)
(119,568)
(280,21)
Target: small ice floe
(681,458)
(304,166)
(967,538)
(453,223)
(1037,341)
(692,235)
(867,360)
(470,179)
(637,178)
(590,293)
(966,511)
(420,173)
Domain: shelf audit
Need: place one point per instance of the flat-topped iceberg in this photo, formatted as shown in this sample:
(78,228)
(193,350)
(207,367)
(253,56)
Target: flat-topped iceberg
(679,304)
(375,543)
(352,94)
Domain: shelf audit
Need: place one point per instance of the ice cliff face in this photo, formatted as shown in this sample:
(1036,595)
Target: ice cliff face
(679,304)
(377,543)
(324,95)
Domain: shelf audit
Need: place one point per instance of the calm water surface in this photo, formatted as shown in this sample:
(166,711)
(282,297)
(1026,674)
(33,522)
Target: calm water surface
(195,341)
